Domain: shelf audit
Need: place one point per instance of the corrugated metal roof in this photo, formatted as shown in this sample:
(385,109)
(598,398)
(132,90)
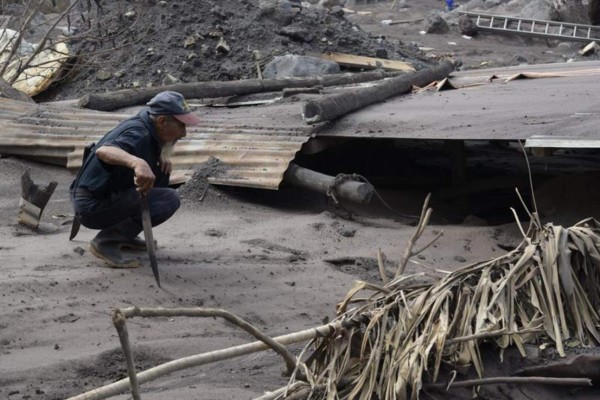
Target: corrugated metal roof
(565,103)
(253,156)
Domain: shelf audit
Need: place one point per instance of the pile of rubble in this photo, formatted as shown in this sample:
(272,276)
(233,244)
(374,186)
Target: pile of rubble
(149,43)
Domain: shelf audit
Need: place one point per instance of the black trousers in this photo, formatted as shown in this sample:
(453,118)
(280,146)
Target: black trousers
(119,214)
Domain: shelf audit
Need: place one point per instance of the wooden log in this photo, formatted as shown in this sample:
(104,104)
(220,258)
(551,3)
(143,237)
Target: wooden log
(357,192)
(204,90)
(337,105)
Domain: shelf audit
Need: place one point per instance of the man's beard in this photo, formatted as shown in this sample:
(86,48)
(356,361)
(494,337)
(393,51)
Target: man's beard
(167,150)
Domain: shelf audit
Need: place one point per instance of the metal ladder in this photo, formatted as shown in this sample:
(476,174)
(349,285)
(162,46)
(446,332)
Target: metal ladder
(535,27)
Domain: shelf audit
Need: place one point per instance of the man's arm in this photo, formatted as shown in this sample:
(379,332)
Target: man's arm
(144,177)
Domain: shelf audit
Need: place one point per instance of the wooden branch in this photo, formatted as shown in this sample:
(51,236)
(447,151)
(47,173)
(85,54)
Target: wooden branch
(531,380)
(118,387)
(289,359)
(119,322)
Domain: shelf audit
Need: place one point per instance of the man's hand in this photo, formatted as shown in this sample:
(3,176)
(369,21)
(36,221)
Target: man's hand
(144,177)
(166,165)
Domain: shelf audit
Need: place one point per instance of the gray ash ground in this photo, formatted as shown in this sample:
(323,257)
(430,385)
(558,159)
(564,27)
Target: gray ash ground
(180,39)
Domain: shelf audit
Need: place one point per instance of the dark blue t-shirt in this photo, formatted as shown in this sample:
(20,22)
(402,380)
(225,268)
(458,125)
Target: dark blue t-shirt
(136,136)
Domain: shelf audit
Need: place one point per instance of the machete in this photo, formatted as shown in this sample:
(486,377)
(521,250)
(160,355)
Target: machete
(74,228)
(147,224)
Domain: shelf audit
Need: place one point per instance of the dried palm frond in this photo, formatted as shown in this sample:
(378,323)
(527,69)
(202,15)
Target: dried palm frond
(547,289)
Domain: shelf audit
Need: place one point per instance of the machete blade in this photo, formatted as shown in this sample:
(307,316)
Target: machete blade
(74,228)
(147,224)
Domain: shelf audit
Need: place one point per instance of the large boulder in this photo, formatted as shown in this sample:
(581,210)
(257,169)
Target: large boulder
(291,65)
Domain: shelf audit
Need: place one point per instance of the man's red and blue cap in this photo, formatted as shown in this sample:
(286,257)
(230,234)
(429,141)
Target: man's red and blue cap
(172,103)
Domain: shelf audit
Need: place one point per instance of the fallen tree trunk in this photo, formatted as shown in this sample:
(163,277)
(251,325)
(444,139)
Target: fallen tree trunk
(336,105)
(205,90)
(357,192)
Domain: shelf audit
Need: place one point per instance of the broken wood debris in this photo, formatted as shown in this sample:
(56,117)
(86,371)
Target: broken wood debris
(351,60)
(34,199)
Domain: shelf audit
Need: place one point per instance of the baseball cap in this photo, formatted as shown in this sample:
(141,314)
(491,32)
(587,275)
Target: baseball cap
(172,103)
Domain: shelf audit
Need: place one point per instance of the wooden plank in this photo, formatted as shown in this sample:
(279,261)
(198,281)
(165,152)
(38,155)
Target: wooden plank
(562,142)
(350,60)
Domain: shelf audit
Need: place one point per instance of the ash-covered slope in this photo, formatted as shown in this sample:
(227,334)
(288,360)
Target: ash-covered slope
(153,42)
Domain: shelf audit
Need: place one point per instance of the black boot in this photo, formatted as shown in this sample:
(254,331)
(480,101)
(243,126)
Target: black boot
(137,243)
(107,246)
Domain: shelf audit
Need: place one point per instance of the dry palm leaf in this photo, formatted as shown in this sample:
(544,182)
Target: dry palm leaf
(548,288)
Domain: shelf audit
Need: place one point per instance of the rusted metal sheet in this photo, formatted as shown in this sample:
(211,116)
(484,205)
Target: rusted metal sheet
(252,156)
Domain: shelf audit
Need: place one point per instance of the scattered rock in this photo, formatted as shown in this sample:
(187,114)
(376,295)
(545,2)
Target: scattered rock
(130,14)
(79,250)
(298,33)
(519,58)
(103,74)
(466,26)
(223,47)
(381,53)
(492,3)
(565,46)
(460,259)
(331,3)
(337,10)
(279,10)
(297,66)
(434,23)
(214,233)
(169,79)
(190,41)
(346,232)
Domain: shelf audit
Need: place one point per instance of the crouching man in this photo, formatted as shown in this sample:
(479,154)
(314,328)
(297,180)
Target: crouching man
(128,162)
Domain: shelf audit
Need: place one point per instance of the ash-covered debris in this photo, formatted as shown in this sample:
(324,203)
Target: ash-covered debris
(198,184)
(150,43)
